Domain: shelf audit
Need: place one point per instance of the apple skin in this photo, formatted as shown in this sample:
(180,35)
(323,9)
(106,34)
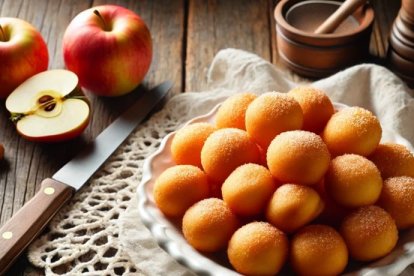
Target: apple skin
(73,133)
(108,62)
(22,55)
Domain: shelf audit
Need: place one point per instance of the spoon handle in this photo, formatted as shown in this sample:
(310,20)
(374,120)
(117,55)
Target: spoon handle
(333,21)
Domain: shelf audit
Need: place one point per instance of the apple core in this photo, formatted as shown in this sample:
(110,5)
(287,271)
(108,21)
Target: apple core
(48,103)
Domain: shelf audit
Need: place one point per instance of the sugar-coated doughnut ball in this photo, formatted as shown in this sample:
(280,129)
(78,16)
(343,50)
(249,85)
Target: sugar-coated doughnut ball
(397,198)
(318,250)
(316,106)
(352,130)
(209,224)
(293,206)
(248,189)
(232,111)
(369,233)
(188,141)
(258,248)
(225,150)
(353,181)
(270,114)
(393,160)
(299,157)
(179,187)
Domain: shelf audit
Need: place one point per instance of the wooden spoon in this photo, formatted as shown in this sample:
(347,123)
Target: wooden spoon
(333,21)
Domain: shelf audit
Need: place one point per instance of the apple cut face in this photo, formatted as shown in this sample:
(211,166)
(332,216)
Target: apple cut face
(49,107)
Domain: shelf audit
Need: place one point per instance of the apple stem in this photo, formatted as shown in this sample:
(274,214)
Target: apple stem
(2,34)
(102,19)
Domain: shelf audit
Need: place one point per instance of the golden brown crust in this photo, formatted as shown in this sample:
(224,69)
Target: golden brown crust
(225,150)
(369,232)
(271,114)
(393,160)
(352,130)
(353,181)
(299,157)
(318,250)
(316,106)
(258,248)
(188,141)
(232,111)
(209,224)
(179,187)
(397,198)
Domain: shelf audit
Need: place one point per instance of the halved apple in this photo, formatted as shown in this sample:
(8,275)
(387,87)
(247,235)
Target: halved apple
(49,107)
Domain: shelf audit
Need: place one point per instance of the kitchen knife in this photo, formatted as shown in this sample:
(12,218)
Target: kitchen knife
(29,221)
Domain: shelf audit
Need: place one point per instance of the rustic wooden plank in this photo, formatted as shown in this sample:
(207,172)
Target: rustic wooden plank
(215,25)
(26,169)
(28,163)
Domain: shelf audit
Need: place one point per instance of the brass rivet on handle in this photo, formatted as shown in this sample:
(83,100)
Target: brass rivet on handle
(49,190)
(7,235)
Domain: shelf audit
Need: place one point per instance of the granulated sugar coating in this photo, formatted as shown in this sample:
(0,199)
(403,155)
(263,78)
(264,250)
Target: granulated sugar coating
(369,232)
(225,150)
(188,141)
(258,248)
(353,181)
(393,160)
(316,106)
(248,189)
(179,187)
(352,130)
(271,114)
(397,198)
(209,224)
(318,250)
(232,111)
(299,157)
(293,206)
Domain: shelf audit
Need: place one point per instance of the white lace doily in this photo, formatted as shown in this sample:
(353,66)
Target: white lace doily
(84,238)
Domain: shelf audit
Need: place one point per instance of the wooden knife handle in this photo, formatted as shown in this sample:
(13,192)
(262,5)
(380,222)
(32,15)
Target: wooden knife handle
(29,221)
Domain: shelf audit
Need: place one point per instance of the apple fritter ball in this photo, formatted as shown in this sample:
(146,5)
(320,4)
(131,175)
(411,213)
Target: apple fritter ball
(271,114)
(188,141)
(209,224)
(258,248)
(316,106)
(352,130)
(232,111)
(179,187)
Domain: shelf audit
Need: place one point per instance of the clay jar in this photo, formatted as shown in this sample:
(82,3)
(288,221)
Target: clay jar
(313,55)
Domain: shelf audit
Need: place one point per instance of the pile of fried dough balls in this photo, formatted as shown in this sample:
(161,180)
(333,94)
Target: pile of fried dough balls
(284,178)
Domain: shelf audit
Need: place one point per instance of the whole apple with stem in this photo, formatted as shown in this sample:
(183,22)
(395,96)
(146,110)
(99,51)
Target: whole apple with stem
(23,53)
(110,49)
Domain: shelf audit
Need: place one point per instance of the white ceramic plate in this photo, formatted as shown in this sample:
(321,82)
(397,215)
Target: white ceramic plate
(168,233)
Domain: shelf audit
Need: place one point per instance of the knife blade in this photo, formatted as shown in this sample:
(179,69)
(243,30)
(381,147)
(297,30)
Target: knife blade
(54,192)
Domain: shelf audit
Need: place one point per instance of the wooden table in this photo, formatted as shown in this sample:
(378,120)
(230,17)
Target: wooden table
(186,35)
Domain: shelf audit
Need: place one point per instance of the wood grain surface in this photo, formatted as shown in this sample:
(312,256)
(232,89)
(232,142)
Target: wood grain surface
(186,35)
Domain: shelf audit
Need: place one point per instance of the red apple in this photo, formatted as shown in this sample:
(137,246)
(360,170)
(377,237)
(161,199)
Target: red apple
(49,107)
(23,53)
(109,48)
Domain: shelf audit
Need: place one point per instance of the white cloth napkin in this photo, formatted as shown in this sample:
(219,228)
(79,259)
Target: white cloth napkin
(233,71)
